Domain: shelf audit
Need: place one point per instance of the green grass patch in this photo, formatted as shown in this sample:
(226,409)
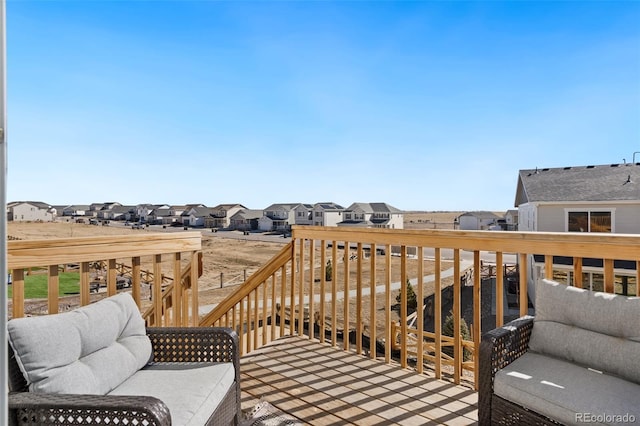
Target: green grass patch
(35,286)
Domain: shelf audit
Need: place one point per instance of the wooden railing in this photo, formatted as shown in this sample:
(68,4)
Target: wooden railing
(173,305)
(357,302)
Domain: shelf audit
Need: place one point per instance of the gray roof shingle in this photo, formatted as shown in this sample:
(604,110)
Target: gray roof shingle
(609,182)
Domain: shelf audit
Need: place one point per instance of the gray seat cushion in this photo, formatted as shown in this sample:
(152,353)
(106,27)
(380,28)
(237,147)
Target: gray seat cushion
(191,391)
(567,392)
(90,350)
(589,328)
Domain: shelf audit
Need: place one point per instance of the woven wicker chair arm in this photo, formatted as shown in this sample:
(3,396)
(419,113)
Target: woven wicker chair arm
(194,344)
(499,348)
(77,409)
(508,342)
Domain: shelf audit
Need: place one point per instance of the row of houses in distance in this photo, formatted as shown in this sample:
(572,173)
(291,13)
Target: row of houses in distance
(276,217)
(593,198)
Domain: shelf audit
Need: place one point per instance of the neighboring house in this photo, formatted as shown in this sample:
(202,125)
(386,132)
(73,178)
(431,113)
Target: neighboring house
(75,210)
(221,215)
(373,215)
(601,198)
(245,220)
(98,209)
(121,213)
(327,214)
(162,216)
(195,216)
(115,211)
(143,211)
(29,211)
(58,210)
(478,220)
(278,217)
(179,209)
(511,220)
(303,214)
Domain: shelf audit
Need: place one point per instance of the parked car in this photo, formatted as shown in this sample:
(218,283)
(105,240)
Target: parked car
(137,226)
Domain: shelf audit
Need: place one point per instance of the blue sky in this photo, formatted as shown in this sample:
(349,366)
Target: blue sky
(423,105)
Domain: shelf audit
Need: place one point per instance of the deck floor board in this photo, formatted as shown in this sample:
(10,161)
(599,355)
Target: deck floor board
(322,385)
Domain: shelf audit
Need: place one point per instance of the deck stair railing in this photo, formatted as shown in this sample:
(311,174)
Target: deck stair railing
(169,304)
(344,286)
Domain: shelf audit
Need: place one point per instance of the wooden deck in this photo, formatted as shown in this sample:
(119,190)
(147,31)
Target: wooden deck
(322,385)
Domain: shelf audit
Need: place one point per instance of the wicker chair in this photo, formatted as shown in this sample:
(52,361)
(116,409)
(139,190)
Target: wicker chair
(171,347)
(499,348)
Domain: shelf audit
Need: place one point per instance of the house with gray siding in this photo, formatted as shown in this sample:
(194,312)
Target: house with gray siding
(373,215)
(245,220)
(478,220)
(278,217)
(29,211)
(594,198)
(195,216)
(221,215)
(327,214)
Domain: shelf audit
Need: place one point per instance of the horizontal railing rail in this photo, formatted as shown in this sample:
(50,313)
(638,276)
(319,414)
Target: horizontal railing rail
(143,253)
(350,286)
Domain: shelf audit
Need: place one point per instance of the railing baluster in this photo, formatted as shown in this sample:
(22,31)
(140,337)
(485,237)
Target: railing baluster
(372,302)
(17,277)
(301,291)
(359,327)
(312,267)
(136,280)
(548,266)
(176,301)
(294,269)
(403,306)
(577,272)
(388,332)
(477,329)
(272,309)
(53,289)
(609,277)
(84,284)
(345,333)
(195,303)
(457,338)
(499,289)
(334,293)
(437,313)
(256,316)
(157,288)
(283,292)
(241,327)
(323,289)
(522,286)
(111,278)
(265,293)
(420,310)
(247,321)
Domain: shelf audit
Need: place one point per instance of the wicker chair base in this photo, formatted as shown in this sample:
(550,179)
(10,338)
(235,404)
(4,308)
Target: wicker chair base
(227,411)
(505,412)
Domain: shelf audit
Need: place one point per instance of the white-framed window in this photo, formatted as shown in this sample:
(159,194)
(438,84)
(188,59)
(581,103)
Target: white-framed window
(590,220)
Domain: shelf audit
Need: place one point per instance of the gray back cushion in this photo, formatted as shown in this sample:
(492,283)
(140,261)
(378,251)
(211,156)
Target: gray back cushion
(89,350)
(594,329)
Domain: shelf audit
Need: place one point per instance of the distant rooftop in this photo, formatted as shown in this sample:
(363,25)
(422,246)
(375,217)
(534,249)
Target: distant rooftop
(607,182)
